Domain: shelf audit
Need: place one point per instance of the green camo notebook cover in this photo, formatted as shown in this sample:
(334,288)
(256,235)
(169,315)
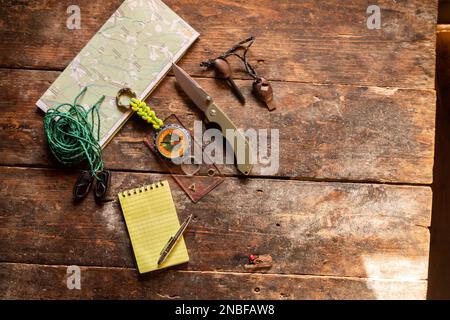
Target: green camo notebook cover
(135,49)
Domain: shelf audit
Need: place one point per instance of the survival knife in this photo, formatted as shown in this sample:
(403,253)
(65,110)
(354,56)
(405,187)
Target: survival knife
(215,115)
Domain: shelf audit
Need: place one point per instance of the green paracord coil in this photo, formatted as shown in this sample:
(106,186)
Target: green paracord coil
(70,134)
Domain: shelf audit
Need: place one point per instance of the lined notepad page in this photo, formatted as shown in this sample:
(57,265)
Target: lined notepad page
(151,220)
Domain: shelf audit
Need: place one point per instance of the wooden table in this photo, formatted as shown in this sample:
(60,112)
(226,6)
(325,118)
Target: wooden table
(348,213)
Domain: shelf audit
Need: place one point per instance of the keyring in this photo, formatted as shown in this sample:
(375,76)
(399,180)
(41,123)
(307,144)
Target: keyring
(124,92)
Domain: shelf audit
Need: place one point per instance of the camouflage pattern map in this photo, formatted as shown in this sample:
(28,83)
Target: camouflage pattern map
(134,48)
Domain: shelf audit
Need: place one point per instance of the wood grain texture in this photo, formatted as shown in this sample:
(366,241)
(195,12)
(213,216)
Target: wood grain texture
(49,282)
(353,105)
(326,131)
(300,41)
(360,230)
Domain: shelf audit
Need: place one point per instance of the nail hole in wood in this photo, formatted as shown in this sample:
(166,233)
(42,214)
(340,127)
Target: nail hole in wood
(257,290)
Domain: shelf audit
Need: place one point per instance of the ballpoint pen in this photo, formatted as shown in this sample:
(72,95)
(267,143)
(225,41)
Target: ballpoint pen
(173,240)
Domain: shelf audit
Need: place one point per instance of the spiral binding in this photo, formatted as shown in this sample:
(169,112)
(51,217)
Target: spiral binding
(149,187)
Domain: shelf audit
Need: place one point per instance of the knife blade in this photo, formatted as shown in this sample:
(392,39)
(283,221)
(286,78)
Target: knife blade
(192,88)
(215,115)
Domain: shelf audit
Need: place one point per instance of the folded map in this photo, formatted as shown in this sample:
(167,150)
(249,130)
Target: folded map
(134,48)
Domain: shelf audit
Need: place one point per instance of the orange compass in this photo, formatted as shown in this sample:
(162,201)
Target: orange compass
(173,142)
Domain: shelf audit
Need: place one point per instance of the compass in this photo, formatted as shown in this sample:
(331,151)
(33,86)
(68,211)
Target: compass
(173,142)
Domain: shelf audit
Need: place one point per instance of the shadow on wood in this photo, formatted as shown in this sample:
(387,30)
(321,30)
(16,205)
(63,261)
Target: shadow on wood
(439,277)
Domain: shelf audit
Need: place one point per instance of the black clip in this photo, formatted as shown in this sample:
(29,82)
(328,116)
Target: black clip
(84,183)
(102,185)
(82,186)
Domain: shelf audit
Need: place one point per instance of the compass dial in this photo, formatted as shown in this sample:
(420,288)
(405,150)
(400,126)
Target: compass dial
(173,142)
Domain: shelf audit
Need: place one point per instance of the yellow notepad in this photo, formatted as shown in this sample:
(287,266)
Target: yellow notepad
(151,220)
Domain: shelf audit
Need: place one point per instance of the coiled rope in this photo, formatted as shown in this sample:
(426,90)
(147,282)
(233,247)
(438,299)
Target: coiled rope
(70,134)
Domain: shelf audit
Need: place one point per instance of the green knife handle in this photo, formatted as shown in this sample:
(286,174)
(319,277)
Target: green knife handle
(216,115)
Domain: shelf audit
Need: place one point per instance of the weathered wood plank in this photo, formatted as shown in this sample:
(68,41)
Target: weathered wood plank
(360,230)
(328,240)
(326,131)
(22,281)
(306,41)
